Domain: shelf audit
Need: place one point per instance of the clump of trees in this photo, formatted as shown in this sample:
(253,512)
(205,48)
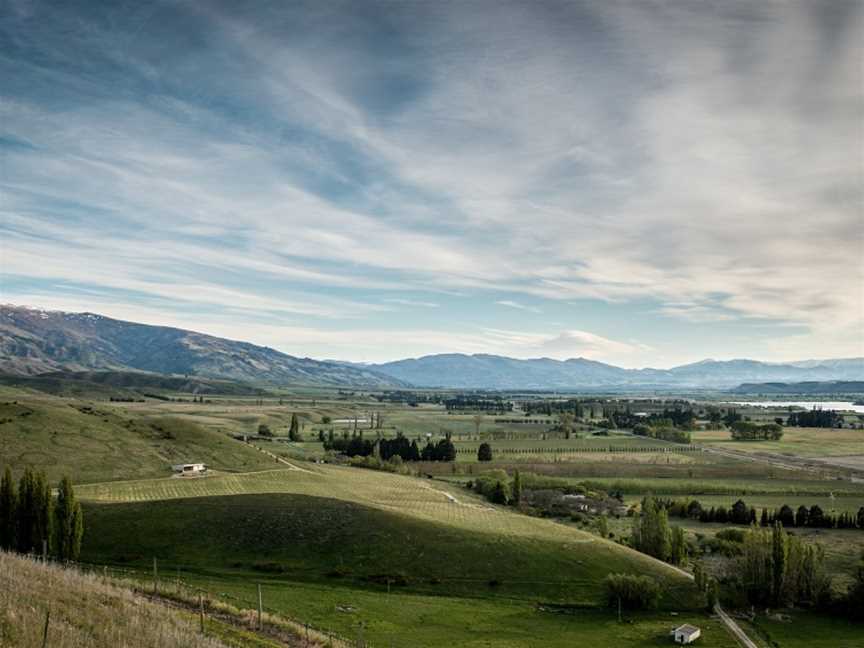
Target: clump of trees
(444,450)
(495,486)
(664,432)
(31,521)
(631,592)
(264,430)
(777,569)
(652,534)
(747,431)
(355,445)
(815,418)
(400,447)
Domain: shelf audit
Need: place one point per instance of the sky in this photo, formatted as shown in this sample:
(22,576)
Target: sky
(641,183)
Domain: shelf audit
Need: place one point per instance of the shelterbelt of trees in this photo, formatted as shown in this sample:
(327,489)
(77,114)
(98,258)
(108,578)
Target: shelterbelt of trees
(385,449)
(31,521)
(747,431)
(739,513)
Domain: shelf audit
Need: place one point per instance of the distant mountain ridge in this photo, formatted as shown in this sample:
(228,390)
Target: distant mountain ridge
(34,341)
(828,387)
(483,371)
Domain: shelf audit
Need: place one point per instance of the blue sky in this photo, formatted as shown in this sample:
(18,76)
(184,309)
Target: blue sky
(642,183)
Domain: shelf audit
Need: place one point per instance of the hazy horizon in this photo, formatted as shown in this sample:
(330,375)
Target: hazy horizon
(646,185)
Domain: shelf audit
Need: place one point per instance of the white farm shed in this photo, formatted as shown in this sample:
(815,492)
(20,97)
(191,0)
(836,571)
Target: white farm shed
(190,469)
(686,634)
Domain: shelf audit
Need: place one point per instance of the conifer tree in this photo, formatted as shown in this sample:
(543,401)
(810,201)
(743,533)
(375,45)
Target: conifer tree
(294,430)
(43,520)
(26,512)
(8,502)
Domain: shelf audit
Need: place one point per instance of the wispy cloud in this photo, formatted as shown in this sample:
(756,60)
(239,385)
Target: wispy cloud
(411,302)
(699,163)
(514,304)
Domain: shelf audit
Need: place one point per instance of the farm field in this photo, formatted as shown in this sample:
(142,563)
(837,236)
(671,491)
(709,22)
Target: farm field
(800,442)
(403,620)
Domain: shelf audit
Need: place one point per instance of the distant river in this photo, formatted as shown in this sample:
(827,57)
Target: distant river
(825,405)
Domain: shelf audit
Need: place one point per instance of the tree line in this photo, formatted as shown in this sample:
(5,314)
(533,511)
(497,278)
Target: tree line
(740,513)
(663,432)
(385,449)
(32,521)
(481,403)
(747,431)
(815,418)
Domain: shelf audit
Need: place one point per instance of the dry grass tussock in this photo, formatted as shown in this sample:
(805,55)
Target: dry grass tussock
(86,611)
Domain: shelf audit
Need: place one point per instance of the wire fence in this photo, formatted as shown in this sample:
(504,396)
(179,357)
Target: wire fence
(169,585)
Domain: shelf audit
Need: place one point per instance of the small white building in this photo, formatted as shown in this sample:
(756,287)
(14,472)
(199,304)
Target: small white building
(685,634)
(190,469)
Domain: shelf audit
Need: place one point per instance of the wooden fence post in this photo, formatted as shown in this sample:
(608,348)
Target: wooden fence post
(260,601)
(201,609)
(154,575)
(45,631)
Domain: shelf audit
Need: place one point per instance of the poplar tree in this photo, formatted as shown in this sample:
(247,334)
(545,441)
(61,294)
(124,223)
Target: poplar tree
(8,501)
(778,561)
(678,549)
(603,526)
(517,487)
(68,523)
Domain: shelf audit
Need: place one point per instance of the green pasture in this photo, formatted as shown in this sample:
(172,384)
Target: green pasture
(802,629)
(97,441)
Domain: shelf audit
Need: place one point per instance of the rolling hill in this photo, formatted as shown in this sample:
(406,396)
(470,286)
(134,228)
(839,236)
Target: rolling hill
(96,442)
(36,341)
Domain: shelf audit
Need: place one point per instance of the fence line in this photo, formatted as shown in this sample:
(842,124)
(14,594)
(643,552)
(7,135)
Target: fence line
(111,572)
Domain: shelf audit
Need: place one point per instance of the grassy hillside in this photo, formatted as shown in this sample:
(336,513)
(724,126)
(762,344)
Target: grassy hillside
(318,539)
(97,442)
(367,522)
(85,611)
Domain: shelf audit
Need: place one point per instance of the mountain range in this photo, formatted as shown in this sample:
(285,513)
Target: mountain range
(499,372)
(34,341)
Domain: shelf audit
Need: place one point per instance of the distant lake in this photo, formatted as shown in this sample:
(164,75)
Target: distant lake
(825,405)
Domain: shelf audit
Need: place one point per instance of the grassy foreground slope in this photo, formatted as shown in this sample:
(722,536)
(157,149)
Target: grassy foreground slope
(97,442)
(372,522)
(85,611)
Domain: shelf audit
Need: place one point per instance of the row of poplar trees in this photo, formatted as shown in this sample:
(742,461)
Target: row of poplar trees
(33,521)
